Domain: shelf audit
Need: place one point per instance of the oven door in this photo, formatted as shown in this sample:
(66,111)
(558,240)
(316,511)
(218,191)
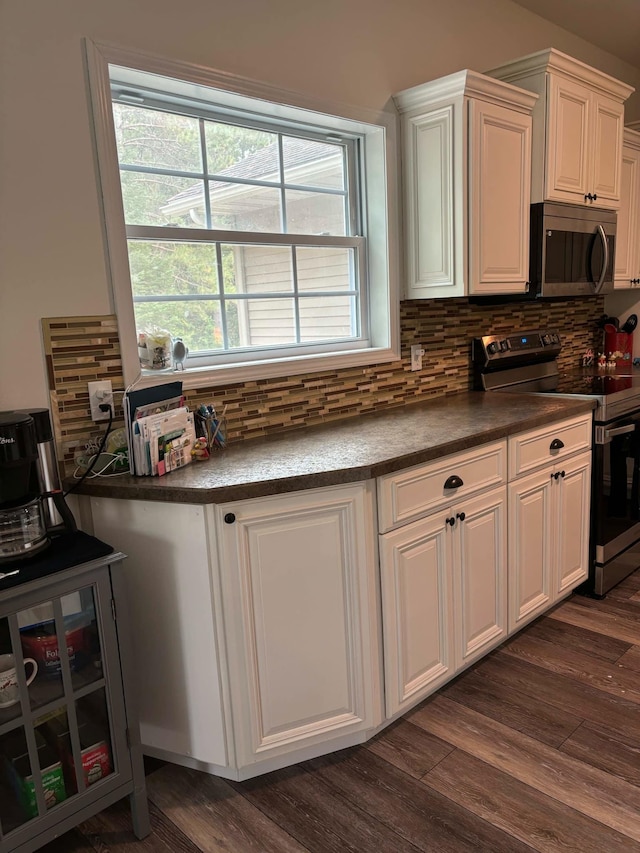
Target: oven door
(616,500)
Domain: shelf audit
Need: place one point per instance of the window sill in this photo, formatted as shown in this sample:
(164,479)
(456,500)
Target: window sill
(206,377)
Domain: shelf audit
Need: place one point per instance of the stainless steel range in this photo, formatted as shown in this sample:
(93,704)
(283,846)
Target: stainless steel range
(527,363)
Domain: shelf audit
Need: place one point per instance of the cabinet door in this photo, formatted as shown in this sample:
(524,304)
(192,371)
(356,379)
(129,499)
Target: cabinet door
(417,613)
(606,154)
(433,266)
(499,194)
(480,579)
(573,503)
(530,547)
(298,580)
(628,229)
(567,173)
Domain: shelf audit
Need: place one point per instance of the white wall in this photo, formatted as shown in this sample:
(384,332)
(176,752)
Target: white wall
(52,259)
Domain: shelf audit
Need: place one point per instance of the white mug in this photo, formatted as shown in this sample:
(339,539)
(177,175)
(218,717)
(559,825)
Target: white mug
(9,694)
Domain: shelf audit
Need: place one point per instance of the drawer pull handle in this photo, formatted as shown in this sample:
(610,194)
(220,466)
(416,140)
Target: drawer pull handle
(229,518)
(556,444)
(461,516)
(451,521)
(453,482)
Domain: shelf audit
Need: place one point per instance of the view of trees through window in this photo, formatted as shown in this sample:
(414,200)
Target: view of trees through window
(183,178)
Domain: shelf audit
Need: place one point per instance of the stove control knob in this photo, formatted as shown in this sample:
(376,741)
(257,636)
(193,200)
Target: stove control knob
(493,347)
(546,340)
(505,346)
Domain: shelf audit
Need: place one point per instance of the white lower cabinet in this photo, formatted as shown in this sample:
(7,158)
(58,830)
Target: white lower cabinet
(444,595)
(549,512)
(298,581)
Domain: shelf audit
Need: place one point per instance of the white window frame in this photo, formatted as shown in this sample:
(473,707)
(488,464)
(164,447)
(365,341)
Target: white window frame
(378,131)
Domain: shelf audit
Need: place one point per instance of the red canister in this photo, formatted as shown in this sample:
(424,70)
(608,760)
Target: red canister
(619,342)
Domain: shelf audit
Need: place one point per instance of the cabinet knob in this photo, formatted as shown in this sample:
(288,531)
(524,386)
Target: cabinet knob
(229,518)
(461,516)
(451,521)
(556,444)
(557,474)
(562,474)
(595,196)
(453,482)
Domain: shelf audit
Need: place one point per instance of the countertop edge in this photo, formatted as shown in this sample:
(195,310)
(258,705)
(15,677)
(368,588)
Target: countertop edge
(161,489)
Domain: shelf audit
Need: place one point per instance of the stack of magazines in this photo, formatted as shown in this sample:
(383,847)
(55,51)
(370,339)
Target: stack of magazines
(160,429)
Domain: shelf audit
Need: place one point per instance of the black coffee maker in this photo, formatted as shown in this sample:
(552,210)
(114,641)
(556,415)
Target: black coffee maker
(32,506)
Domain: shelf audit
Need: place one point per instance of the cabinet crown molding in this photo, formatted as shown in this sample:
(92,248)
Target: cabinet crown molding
(552,60)
(631,138)
(465,84)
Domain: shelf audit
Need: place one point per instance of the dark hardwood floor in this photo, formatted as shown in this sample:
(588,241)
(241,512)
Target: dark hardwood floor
(537,747)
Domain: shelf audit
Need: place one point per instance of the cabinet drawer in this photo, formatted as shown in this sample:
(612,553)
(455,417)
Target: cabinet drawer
(530,450)
(411,493)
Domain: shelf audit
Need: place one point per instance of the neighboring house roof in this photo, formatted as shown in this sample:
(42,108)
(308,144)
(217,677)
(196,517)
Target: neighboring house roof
(303,159)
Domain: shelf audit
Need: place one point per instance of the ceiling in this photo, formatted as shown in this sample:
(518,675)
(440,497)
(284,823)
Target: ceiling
(613,25)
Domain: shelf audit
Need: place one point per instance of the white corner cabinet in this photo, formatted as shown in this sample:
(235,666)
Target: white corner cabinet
(627,269)
(266,611)
(578,124)
(271,630)
(466,165)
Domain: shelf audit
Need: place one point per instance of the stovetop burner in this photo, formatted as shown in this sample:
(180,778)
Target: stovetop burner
(527,363)
(598,384)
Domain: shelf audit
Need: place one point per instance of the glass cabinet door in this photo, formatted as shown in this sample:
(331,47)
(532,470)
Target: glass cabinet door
(56,713)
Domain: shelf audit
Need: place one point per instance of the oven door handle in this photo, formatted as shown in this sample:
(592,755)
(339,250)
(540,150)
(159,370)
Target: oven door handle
(604,435)
(605,262)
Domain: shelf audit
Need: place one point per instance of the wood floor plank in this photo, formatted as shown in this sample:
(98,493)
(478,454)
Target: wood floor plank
(575,638)
(607,799)
(70,842)
(318,816)
(110,831)
(567,694)
(520,711)
(596,746)
(622,628)
(627,608)
(421,816)
(409,748)
(610,677)
(208,811)
(631,658)
(536,819)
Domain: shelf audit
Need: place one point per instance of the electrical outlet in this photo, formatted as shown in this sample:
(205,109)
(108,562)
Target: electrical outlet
(100,392)
(417,351)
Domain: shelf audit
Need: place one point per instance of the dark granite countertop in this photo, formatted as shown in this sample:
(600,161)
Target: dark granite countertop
(345,451)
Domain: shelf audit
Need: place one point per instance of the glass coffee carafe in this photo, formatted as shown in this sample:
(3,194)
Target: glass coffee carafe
(24,497)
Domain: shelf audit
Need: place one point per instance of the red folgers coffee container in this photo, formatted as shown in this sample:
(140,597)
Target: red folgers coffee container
(41,643)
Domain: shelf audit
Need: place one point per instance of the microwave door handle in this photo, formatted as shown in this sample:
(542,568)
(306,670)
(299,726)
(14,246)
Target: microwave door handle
(605,262)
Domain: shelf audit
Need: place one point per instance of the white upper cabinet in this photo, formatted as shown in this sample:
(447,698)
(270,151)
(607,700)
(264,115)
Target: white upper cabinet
(578,124)
(627,272)
(466,175)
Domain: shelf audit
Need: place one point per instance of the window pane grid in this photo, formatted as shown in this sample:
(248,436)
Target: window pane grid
(274,290)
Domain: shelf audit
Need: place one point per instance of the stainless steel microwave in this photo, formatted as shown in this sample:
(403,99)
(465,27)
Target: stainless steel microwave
(572,250)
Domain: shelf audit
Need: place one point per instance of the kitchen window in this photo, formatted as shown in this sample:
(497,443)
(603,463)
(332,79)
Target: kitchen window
(256,230)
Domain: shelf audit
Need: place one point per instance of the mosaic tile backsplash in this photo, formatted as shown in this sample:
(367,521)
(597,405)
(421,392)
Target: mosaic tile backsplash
(81,349)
